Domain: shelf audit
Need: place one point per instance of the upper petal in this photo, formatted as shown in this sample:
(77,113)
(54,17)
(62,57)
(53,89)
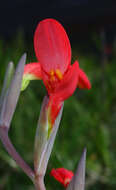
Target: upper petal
(83,80)
(52,46)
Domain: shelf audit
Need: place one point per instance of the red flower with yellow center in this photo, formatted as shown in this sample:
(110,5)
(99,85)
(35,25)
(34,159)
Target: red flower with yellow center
(62,175)
(53,52)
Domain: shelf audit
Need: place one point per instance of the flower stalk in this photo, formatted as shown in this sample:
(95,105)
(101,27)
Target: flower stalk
(13,153)
(39,182)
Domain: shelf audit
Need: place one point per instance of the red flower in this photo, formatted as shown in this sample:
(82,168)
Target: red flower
(53,52)
(62,175)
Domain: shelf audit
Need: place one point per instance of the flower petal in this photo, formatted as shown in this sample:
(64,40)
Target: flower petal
(83,80)
(68,84)
(52,46)
(62,175)
(56,175)
(64,89)
(32,71)
(54,107)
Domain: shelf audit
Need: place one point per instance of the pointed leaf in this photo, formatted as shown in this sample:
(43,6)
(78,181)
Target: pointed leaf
(78,180)
(7,80)
(12,95)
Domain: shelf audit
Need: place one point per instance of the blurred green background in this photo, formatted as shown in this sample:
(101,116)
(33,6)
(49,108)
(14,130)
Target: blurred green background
(89,120)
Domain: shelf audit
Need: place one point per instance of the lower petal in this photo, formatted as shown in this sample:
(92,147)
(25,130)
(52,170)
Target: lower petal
(65,89)
(68,84)
(54,107)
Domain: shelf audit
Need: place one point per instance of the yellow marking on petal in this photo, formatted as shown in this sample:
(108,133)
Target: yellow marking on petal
(52,72)
(59,74)
(52,77)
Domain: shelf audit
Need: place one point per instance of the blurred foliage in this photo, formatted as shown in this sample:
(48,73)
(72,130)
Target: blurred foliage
(89,119)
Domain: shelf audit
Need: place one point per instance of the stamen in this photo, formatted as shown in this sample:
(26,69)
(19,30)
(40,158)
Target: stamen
(52,77)
(52,72)
(59,74)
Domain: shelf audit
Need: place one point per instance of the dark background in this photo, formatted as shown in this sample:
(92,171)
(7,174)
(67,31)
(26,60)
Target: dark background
(77,15)
(81,18)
